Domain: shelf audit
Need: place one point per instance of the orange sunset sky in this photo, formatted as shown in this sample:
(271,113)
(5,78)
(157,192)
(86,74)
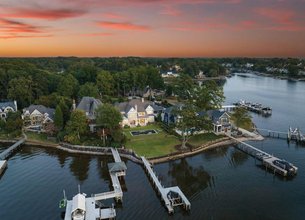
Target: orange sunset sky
(175,28)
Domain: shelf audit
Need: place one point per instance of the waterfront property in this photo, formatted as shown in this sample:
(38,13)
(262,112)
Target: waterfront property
(138,112)
(89,105)
(221,121)
(171,196)
(255,107)
(271,162)
(81,207)
(37,117)
(6,107)
(153,145)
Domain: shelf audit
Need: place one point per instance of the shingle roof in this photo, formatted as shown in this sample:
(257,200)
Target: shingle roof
(5,104)
(89,105)
(126,106)
(118,166)
(42,109)
(213,114)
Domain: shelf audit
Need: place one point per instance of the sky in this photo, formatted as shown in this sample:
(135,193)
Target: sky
(152,28)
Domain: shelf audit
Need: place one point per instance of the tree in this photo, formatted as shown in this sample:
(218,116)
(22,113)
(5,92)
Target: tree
(58,118)
(65,110)
(14,123)
(77,125)
(241,118)
(67,86)
(190,122)
(105,83)
(20,89)
(109,118)
(88,89)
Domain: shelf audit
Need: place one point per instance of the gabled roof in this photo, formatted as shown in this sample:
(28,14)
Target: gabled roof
(5,104)
(78,202)
(42,109)
(89,104)
(141,105)
(116,167)
(215,115)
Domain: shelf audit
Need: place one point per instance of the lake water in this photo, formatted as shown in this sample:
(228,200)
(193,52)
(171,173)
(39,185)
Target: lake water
(221,183)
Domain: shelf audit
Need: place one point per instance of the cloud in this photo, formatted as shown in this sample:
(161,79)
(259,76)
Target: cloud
(111,15)
(24,36)
(123,26)
(11,26)
(38,13)
(105,34)
(170,11)
(280,16)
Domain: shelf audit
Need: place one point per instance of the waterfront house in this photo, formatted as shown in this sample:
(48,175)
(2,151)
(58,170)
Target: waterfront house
(169,115)
(138,112)
(6,107)
(89,105)
(37,117)
(220,120)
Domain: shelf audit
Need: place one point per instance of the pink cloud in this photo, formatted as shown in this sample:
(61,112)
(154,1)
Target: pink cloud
(98,34)
(11,26)
(23,36)
(111,15)
(48,14)
(123,26)
(170,10)
(281,16)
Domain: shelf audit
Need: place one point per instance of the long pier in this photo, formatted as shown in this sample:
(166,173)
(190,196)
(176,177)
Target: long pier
(116,170)
(8,152)
(255,107)
(279,166)
(172,196)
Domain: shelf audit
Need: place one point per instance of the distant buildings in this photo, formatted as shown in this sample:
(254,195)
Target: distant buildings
(138,112)
(6,107)
(37,117)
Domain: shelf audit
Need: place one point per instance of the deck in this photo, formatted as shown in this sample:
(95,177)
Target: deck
(5,154)
(169,201)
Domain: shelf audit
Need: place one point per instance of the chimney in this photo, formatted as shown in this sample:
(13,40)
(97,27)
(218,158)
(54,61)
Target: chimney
(73,105)
(136,108)
(15,103)
(142,100)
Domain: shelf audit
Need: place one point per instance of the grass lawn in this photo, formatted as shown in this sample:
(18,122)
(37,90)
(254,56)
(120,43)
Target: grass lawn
(151,145)
(38,137)
(201,139)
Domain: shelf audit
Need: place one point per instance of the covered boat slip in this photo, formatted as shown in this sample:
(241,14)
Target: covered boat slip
(91,213)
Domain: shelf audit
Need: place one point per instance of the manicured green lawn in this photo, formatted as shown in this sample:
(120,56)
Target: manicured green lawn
(201,139)
(151,145)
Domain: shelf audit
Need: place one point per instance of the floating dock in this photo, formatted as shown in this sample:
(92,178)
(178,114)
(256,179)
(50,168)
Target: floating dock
(172,196)
(87,206)
(255,107)
(8,152)
(277,165)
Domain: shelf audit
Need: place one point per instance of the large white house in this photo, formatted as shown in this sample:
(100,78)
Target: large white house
(138,112)
(6,107)
(36,117)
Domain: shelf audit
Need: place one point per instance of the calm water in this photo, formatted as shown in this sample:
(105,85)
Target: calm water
(221,183)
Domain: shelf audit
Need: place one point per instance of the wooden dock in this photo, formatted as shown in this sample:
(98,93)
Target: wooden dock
(172,196)
(255,107)
(116,170)
(271,162)
(272,133)
(8,152)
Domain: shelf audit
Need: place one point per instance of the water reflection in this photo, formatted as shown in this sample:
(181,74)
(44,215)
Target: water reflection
(215,153)
(238,158)
(80,166)
(190,179)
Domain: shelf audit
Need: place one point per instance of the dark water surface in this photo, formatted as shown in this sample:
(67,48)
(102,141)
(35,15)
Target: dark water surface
(222,183)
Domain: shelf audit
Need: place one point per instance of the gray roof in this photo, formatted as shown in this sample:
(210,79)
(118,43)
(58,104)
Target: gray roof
(117,166)
(89,105)
(141,105)
(5,104)
(215,115)
(42,109)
